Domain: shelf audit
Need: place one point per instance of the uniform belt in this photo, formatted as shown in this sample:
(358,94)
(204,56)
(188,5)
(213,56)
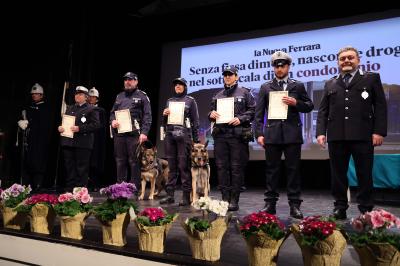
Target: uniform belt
(174,127)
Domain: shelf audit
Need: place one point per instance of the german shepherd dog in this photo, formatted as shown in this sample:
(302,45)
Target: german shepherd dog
(153,170)
(200,171)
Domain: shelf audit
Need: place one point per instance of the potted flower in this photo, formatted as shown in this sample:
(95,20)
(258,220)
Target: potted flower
(205,233)
(264,234)
(373,240)
(73,209)
(113,213)
(40,211)
(153,225)
(320,241)
(10,199)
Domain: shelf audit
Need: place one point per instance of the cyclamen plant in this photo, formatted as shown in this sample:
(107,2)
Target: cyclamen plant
(70,204)
(154,217)
(14,195)
(373,227)
(117,202)
(46,199)
(262,222)
(316,228)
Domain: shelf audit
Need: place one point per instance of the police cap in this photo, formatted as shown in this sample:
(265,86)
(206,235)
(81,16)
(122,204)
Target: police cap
(37,89)
(130,75)
(230,69)
(180,81)
(280,58)
(81,89)
(94,92)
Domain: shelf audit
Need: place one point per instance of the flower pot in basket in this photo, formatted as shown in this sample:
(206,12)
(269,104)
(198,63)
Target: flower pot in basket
(327,252)
(72,227)
(262,249)
(13,219)
(42,218)
(207,245)
(114,232)
(378,254)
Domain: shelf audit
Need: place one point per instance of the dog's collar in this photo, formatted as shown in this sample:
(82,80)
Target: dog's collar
(194,165)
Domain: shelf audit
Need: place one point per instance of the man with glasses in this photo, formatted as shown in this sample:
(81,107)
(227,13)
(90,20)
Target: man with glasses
(125,144)
(282,135)
(231,138)
(353,116)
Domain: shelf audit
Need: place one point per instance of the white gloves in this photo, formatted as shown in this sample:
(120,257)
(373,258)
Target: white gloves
(23,124)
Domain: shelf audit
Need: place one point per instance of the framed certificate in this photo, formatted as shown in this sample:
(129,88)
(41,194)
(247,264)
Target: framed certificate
(177,111)
(276,108)
(124,120)
(225,109)
(68,121)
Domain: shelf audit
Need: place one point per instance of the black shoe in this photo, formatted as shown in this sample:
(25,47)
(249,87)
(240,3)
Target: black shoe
(269,208)
(169,199)
(234,203)
(185,199)
(339,214)
(226,195)
(295,212)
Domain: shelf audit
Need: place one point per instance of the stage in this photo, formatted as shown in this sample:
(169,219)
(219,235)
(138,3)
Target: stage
(54,250)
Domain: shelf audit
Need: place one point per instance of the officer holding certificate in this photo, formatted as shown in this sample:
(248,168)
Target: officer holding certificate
(134,107)
(77,147)
(282,132)
(232,111)
(181,125)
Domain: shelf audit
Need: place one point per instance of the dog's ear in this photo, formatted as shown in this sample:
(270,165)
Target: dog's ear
(205,144)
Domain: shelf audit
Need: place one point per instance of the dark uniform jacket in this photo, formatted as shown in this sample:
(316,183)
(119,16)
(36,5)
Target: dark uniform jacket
(191,112)
(344,114)
(87,119)
(244,109)
(139,106)
(287,131)
(99,143)
(39,128)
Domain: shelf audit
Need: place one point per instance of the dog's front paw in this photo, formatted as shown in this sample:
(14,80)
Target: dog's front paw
(141,197)
(151,197)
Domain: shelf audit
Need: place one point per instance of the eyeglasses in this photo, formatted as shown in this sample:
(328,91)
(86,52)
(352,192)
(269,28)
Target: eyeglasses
(343,58)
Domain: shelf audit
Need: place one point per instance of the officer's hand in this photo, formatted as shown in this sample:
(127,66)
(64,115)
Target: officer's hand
(166,112)
(235,121)
(260,141)
(321,139)
(214,115)
(114,124)
(23,124)
(60,129)
(289,100)
(377,140)
(142,138)
(75,129)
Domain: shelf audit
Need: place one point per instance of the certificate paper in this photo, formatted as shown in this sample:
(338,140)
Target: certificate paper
(176,115)
(68,121)
(226,110)
(276,108)
(124,120)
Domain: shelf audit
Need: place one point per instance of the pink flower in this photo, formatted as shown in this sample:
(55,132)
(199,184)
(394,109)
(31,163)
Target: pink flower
(65,197)
(86,198)
(376,220)
(357,225)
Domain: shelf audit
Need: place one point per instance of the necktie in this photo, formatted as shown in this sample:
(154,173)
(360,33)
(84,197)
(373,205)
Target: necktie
(346,79)
(281,82)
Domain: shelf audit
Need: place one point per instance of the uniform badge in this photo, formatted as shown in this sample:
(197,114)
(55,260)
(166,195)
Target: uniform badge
(364,94)
(240,99)
(83,119)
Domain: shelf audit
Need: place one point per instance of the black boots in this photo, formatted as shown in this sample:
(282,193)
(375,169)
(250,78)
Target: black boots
(270,207)
(234,203)
(169,199)
(226,195)
(185,199)
(295,212)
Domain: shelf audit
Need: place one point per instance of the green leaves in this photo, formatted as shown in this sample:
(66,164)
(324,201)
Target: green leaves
(108,210)
(13,202)
(375,236)
(198,224)
(71,208)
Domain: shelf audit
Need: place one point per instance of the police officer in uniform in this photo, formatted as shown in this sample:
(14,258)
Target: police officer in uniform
(35,124)
(99,143)
(231,140)
(125,144)
(282,135)
(178,141)
(76,150)
(353,114)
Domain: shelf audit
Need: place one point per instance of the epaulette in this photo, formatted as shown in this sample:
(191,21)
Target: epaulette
(143,92)
(248,89)
(190,97)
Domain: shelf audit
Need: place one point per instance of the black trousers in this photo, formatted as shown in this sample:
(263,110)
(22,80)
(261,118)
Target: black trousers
(125,157)
(363,155)
(76,161)
(273,154)
(177,151)
(231,157)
